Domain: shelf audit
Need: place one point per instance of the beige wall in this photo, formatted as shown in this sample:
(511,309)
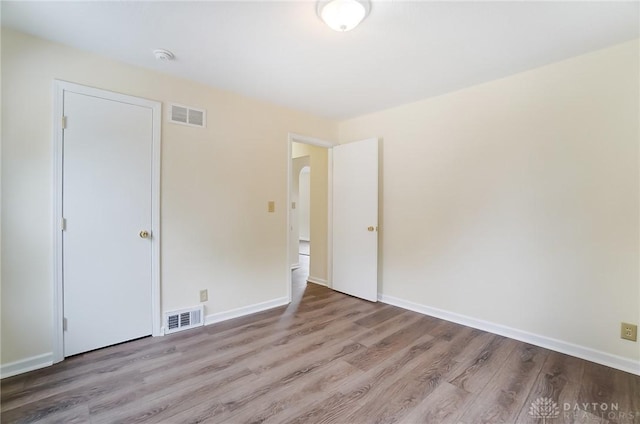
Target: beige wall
(319,163)
(216,183)
(516,201)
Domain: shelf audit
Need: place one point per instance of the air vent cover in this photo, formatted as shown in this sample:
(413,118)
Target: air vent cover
(186,115)
(183,319)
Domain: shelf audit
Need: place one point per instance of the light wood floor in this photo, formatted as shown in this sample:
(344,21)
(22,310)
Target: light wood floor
(326,358)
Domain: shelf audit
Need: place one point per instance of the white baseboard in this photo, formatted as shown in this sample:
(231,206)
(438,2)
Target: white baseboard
(318,281)
(245,310)
(599,357)
(26,365)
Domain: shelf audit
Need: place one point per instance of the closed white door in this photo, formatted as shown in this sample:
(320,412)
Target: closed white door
(107,208)
(355,219)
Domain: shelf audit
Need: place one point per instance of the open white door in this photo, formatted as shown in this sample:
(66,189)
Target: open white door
(355,219)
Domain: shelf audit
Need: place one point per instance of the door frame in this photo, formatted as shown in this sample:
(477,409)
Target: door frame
(298,138)
(59,87)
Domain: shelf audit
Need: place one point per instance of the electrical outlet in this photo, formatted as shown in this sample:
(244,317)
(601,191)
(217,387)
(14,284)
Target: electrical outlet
(271,206)
(629,331)
(204,295)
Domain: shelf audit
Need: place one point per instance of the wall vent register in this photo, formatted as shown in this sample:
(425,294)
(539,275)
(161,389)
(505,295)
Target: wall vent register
(186,115)
(183,319)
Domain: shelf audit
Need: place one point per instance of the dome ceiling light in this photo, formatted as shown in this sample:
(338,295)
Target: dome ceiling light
(343,15)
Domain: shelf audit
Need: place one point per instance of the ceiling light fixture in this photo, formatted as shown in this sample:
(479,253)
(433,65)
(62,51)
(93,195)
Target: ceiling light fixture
(343,15)
(163,55)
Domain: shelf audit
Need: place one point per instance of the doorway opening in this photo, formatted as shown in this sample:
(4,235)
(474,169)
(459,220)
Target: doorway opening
(300,223)
(308,218)
(344,205)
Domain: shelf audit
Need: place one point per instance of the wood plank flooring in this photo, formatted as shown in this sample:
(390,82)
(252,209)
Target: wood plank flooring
(326,358)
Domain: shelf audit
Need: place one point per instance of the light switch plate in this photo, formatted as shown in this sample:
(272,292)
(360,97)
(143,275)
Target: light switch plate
(271,207)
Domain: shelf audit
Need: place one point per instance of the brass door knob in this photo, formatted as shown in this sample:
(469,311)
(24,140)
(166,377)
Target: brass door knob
(371,228)
(144,234)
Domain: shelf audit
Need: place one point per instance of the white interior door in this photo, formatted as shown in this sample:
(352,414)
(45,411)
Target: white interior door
(106,204)
(355,219)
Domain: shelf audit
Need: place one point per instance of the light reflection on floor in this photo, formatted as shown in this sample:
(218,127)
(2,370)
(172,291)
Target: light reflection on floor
(298,282)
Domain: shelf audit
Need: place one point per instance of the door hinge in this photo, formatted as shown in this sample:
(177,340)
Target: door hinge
(64,122)
(63,224)
(64,324)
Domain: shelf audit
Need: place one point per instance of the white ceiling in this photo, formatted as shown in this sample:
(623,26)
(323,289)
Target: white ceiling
(281,51)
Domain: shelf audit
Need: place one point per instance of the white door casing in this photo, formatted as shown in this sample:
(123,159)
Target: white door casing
(107,187)
(355,219)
